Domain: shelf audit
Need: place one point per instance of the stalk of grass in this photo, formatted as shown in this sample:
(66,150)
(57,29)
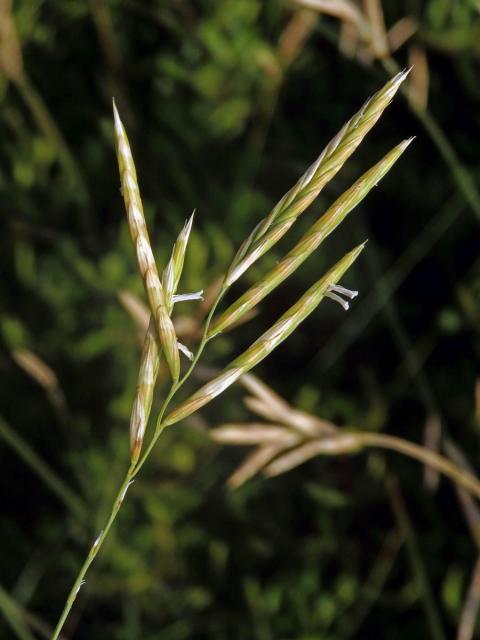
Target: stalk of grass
(161,296)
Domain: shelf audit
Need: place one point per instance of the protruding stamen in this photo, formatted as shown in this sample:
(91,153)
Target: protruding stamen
(185,350)
(341,301)
(185,297)
(335,289)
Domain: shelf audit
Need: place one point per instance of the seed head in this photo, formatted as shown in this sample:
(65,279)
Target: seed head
(138,231)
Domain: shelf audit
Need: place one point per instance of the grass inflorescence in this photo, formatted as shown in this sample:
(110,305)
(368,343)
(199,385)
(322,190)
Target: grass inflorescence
(161,340)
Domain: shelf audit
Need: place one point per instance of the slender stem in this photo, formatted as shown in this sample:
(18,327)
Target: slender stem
(79,581)
(131,473)
(461,477)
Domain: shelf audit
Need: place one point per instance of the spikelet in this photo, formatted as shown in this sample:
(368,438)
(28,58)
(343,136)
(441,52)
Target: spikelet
(173,271)
(309,242)
(142,403)
(141,241)
(267,342)
(300,196)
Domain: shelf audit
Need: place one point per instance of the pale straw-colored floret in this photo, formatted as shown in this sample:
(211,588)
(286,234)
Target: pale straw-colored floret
(141,240)
(142,404)
(173,271)
(168,338)
(151,353)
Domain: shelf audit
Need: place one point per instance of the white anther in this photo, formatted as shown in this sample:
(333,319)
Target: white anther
(335,289)
(185,350)
(185,297)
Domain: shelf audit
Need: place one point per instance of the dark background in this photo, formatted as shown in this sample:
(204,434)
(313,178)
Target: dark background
(223,119)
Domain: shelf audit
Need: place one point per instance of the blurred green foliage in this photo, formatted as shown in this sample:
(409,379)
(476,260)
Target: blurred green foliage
(219,121)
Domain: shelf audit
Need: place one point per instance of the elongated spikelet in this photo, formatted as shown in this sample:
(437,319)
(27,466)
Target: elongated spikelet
(267,342)
(173,271)
(300,196)
(138,231)
(309,242)
(136,218)
(142,403)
